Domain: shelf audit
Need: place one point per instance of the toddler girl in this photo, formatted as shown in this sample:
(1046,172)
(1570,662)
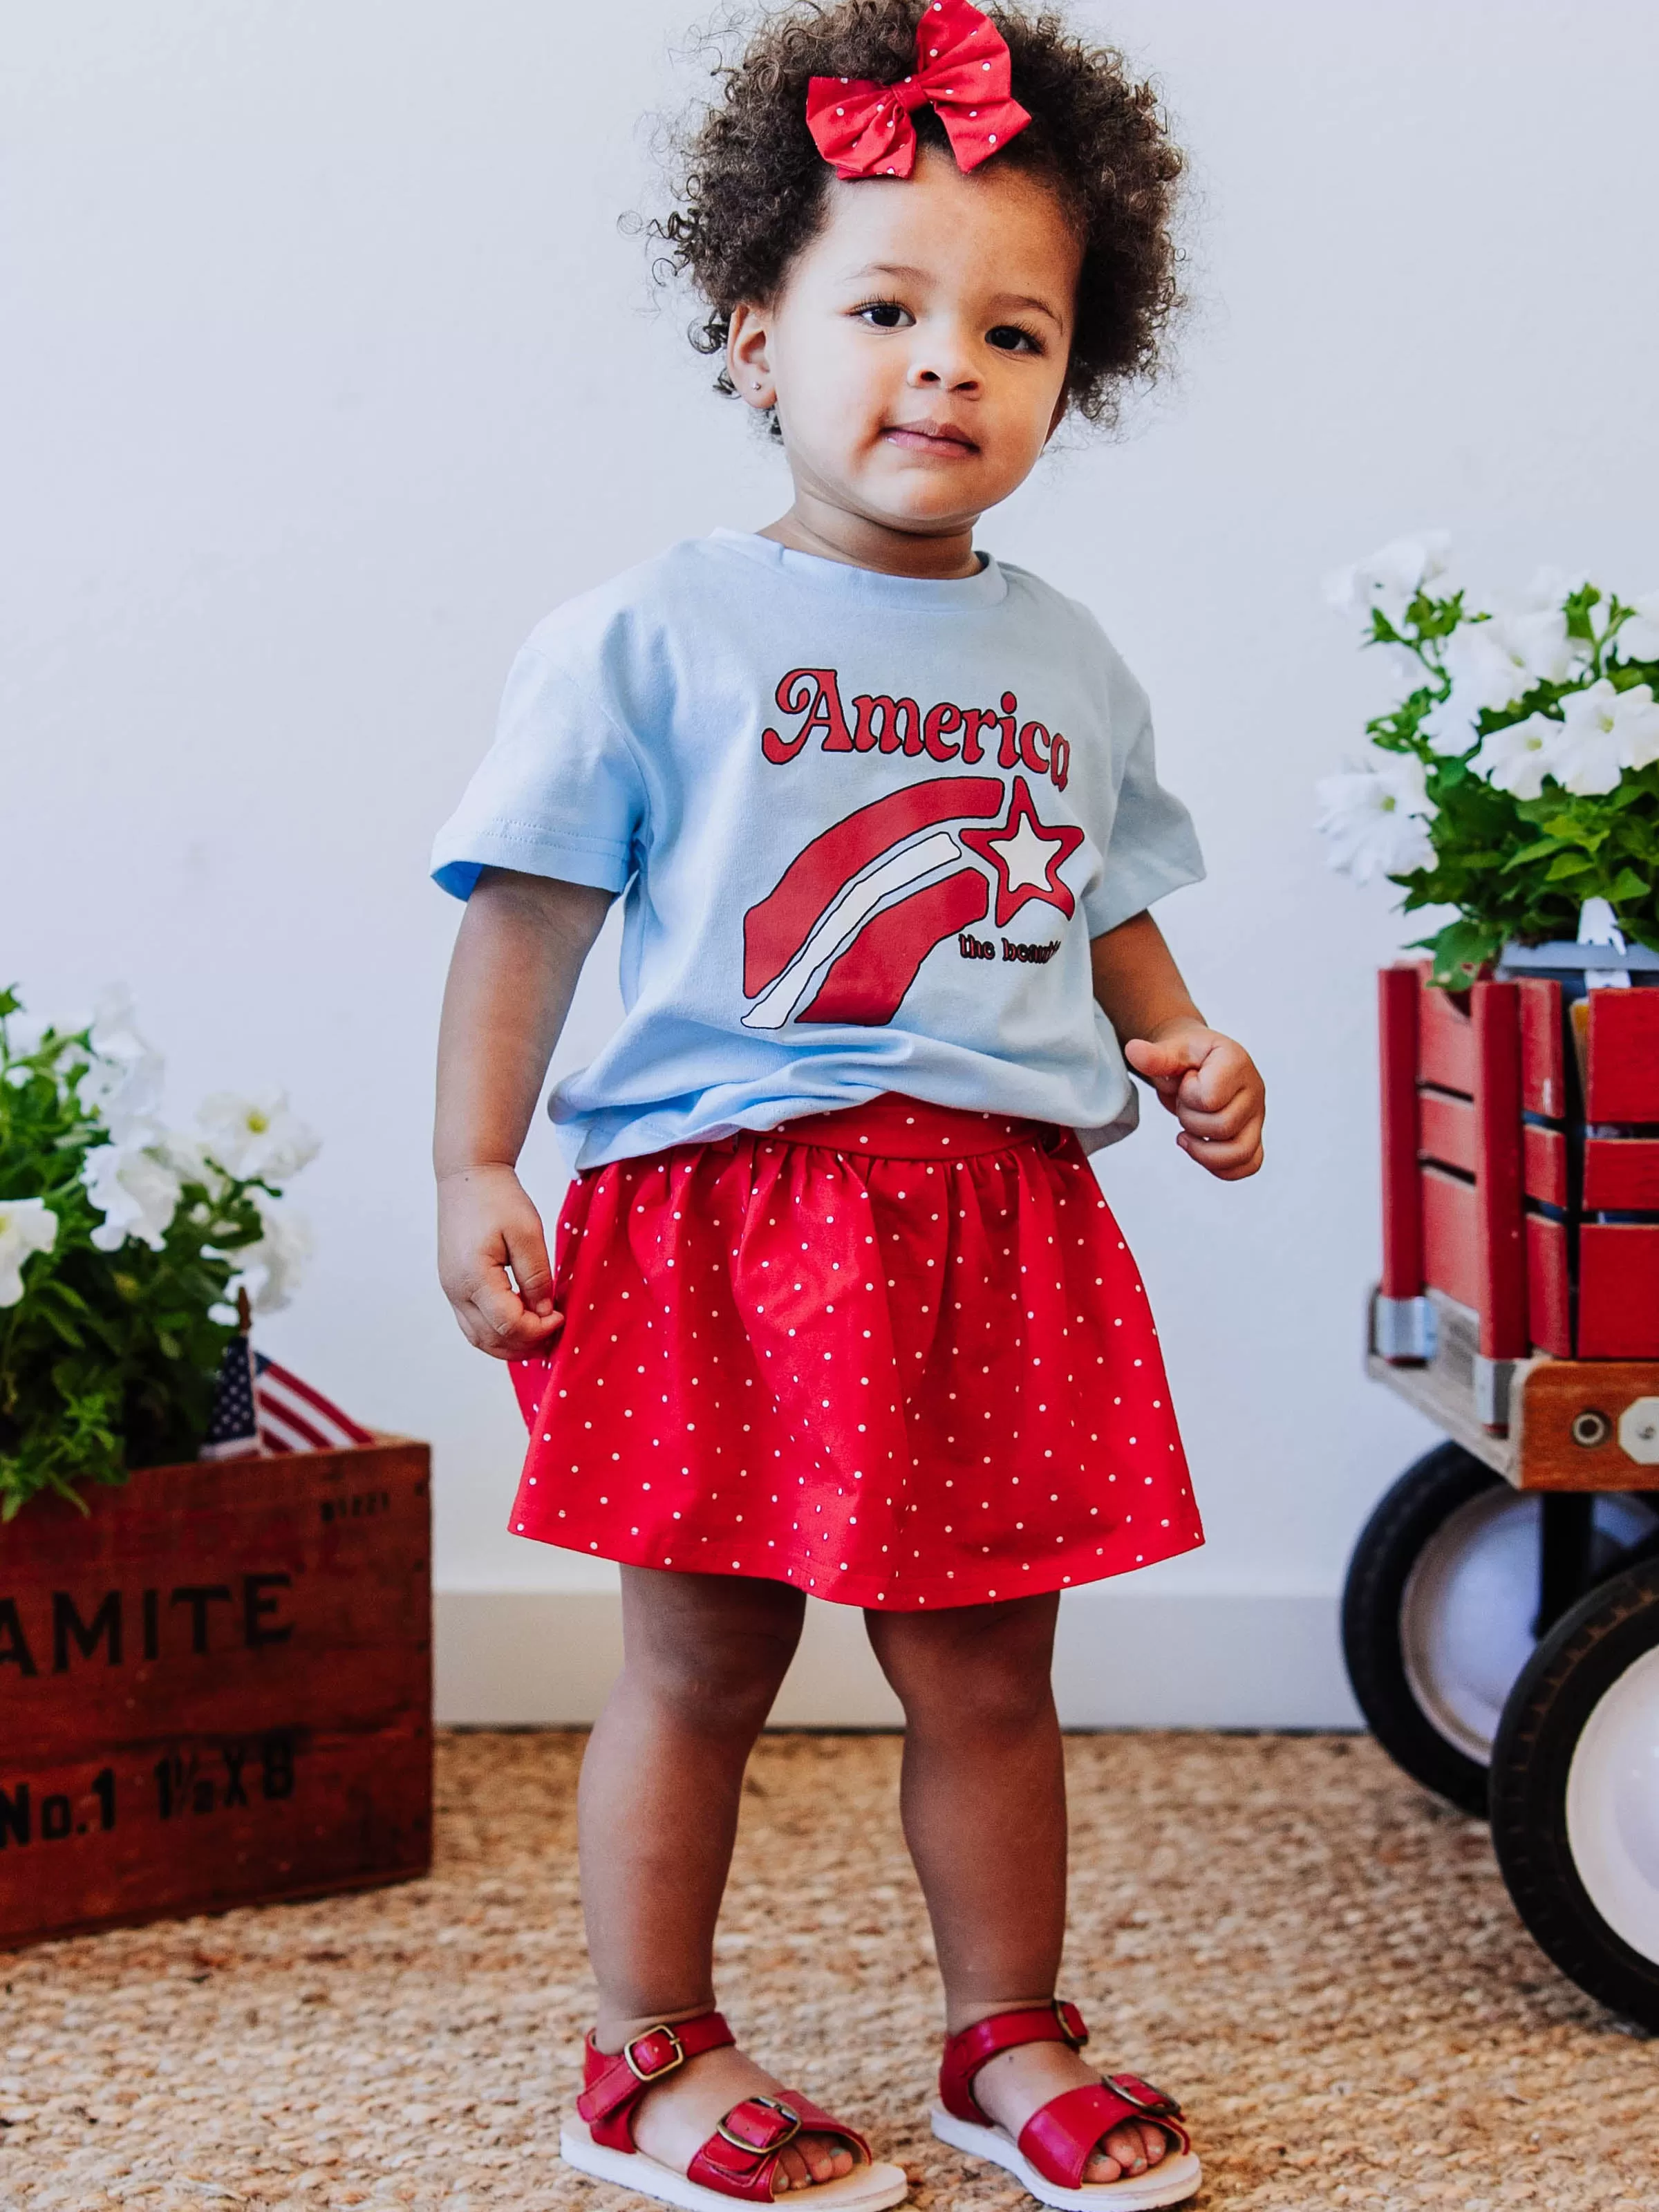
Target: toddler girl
(838,1308)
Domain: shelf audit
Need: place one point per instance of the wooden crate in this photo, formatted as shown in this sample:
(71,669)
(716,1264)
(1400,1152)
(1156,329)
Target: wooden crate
(1454,1204)
(1521,1161)
(1623,1056)
(215,1689)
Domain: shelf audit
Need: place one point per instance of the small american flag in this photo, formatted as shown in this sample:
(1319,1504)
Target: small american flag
(259,1409)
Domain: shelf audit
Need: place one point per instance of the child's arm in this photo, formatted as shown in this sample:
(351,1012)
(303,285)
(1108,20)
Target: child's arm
(1207,1082)
(522,943)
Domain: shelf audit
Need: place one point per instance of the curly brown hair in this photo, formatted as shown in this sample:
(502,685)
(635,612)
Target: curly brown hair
(751,185)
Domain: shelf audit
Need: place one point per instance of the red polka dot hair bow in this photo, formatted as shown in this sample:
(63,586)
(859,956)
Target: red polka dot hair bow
(962,73)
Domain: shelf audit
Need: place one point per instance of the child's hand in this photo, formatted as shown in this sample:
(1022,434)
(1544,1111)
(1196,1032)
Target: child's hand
(486,1224)
(1213,1089)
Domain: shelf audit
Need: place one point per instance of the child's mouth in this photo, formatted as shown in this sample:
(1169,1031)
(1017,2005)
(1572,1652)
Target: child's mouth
(940,438)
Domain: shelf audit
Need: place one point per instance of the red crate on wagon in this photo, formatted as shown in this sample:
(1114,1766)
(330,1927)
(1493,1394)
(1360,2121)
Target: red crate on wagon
(1520,1188)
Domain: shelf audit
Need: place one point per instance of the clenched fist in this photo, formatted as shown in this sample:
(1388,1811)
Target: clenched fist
(1213,1089)
(492,1262)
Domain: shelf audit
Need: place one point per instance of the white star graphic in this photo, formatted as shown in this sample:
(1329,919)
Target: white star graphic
(1026,856)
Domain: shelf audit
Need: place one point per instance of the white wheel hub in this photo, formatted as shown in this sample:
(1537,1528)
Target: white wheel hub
(1612,1806)
(1466,1612)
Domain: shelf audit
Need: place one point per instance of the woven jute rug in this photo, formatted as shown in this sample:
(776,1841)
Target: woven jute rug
(1322,1963)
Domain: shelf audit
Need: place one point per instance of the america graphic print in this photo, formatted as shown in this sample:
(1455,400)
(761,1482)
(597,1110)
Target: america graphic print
(843,934)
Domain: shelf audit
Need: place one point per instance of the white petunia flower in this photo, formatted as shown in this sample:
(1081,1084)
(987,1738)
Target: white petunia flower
(1391,578)
(1637,720)
(27,1226)
(1638,633)
(1603,732)
(1518,757)
(271,1268)
(1491,665)
(136,1191)
(1538,644)
(1375,817)
(189,1159)
(257,1136)
(123,1084)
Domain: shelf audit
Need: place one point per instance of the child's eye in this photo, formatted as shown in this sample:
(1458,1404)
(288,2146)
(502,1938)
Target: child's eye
(892,315)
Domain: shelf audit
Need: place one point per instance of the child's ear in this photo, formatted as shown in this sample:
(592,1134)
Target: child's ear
(748,361)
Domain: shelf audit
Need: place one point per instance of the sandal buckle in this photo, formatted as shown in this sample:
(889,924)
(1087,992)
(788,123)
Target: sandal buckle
(1155,2104)
(778,2143)
(1071,2027)
(676,2056)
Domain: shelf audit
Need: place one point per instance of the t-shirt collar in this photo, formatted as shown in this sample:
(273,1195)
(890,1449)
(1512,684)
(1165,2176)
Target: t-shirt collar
(839,580)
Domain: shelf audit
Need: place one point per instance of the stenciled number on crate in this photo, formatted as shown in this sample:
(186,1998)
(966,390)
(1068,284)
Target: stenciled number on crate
(22,1821)
(183,1784)
(245,1772)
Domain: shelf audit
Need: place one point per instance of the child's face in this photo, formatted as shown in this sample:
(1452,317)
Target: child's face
(916,352)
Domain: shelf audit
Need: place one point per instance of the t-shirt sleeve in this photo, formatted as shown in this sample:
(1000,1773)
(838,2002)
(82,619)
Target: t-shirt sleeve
(1153,847)
(559,793)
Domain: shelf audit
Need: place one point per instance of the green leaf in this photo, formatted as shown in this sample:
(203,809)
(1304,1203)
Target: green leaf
(1460,950)
(1628,886)
(1538,851)
(1569,864)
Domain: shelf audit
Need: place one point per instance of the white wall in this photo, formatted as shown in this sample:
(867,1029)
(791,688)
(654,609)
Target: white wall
(326,372)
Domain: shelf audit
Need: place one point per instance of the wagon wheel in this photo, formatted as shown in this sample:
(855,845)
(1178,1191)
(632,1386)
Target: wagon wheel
(1575,1793)
(1440,1608)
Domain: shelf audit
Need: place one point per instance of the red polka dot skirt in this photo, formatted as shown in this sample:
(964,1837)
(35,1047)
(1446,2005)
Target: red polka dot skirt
(898,1355)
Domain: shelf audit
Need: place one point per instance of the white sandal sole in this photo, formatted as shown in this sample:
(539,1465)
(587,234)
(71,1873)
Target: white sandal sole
(1171,2181)
(866,2189)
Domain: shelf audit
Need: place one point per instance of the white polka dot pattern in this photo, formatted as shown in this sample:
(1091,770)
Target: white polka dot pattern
(738,1390)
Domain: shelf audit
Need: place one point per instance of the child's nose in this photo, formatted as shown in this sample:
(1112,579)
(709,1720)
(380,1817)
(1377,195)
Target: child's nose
(946,364)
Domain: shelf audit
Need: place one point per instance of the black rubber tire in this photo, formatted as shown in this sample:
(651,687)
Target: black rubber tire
(1389,1545)
(1573,1668)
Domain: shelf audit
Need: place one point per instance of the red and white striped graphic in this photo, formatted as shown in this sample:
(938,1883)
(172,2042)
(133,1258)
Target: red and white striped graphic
(841,935)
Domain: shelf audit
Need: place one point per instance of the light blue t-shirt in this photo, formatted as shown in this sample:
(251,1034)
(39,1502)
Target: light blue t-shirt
(866,826)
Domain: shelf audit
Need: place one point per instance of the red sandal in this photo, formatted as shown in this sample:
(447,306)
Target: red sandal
(1059,2139)
(739,2160)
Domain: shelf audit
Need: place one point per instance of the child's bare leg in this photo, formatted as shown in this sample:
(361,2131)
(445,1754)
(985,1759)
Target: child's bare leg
(984,1805)
(661,1786)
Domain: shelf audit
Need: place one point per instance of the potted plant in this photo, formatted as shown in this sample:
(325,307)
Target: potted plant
(123,1246)
(1517,780)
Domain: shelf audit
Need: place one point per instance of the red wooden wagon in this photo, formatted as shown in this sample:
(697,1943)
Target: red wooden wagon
(1501,1616)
